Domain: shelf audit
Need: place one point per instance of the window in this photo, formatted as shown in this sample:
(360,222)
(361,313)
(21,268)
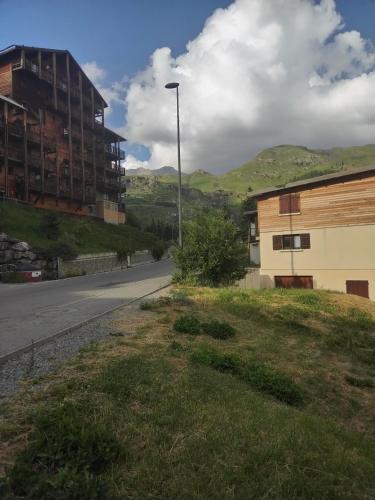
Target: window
(289,204)
(291,241)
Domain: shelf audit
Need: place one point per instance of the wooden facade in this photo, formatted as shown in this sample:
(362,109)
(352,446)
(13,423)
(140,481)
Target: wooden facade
(336,204)
(55,150)
(318,233)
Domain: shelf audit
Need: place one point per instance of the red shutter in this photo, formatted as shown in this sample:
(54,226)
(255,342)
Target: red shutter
(277,242)
(289,203)
(284,204)
(295,206)
(305,240)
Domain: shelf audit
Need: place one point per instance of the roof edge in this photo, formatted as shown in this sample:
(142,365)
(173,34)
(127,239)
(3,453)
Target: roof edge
(322,179)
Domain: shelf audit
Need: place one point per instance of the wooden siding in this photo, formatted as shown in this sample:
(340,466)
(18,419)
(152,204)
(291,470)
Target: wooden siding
(341,204)
(6,79)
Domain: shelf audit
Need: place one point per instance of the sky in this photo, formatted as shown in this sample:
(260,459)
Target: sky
(252,73)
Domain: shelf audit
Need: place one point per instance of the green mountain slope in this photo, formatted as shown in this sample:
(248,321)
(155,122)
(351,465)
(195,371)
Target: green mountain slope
(155,196)
(279,165)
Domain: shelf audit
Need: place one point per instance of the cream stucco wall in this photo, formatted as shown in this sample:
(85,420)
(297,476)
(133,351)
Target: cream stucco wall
(337,254)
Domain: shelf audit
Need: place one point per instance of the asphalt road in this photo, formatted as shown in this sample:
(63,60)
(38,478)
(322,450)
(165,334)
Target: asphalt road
(33,311)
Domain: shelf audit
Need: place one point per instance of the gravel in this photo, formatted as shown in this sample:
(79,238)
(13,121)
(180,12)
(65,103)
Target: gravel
(47,358)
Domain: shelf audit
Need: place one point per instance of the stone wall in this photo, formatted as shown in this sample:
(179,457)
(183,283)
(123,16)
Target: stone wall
(98,263)
(16,255)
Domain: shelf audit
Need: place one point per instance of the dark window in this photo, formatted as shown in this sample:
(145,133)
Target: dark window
(289,203)
(357,287)
(291,241)
(294,282)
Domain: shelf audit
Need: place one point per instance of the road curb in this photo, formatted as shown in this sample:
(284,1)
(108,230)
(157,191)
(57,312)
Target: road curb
(61,333)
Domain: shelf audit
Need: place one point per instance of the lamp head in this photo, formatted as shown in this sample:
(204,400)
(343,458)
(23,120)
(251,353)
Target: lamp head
(172,85)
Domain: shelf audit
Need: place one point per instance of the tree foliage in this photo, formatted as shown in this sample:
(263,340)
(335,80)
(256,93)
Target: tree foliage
(213,253)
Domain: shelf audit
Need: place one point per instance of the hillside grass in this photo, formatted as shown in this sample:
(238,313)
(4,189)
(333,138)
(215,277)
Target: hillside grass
(85,234)
(279,165)
(164,414)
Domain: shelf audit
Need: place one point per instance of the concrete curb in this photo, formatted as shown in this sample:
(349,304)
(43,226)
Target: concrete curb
(61,333)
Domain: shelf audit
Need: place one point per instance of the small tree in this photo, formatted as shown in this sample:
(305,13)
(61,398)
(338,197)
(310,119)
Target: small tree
(213,253)
(50,226)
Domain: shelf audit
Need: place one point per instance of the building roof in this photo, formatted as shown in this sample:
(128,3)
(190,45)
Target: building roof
(11,48)
(341,176)
(10,101)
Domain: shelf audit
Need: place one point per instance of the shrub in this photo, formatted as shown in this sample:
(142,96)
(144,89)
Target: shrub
(50,226)
(66,451)
(187,323)
(13,277)
(157,251)
(60,249)
(145,306)
(218,329)
(212,253)
(223,362)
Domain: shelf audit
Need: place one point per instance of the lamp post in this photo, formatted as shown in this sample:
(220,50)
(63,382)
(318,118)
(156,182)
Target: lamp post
(174,85)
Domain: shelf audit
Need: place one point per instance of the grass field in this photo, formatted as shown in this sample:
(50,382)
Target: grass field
(284,408)
(87,235)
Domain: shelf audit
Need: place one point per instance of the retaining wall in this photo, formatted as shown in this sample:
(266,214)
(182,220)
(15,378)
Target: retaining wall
(98,263)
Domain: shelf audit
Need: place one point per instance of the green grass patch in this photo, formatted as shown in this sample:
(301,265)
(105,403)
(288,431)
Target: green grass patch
(67,452)
(85,234)
(259,376)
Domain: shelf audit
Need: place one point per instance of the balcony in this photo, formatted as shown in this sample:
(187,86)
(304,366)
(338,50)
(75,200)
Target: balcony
(111,149)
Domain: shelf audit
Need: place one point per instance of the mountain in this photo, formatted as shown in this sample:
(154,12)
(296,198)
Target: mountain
(158,171)
(279,165)
(152,194)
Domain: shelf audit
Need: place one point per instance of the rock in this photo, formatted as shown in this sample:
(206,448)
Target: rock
(21,266)
(6,256)
(4,237)
(4,245)
(21,246)
(18,255)
(13,240)
(29,255)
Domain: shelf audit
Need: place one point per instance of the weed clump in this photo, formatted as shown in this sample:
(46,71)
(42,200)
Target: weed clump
(360,382)
(218,329)
(65,456)
(258,375)
(187,323)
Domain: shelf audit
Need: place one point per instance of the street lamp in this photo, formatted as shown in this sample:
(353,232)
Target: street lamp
(174,85)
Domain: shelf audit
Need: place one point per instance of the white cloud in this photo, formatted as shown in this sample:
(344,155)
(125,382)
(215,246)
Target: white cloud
(261,73)
(113,94)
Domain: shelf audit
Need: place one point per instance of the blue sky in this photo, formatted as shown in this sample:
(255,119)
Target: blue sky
(121,35)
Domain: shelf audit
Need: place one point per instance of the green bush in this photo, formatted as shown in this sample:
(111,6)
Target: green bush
(60,249)
(212,253)
(50,226)
(157,251)
(13,277)
(218,329)
(66,452)
(187,323)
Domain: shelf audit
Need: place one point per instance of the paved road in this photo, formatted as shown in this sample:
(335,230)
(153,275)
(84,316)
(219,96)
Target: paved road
(30,312)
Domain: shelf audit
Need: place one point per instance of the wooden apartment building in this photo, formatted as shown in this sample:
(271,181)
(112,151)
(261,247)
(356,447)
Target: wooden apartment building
(55,151)
(317,233)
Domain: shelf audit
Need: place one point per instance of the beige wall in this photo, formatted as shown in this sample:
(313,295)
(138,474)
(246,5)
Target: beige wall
(337,254)
(108,211)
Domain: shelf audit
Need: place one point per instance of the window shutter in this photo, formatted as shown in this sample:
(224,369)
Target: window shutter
(277,242)
(305,240)
(284,204)
(295,205)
